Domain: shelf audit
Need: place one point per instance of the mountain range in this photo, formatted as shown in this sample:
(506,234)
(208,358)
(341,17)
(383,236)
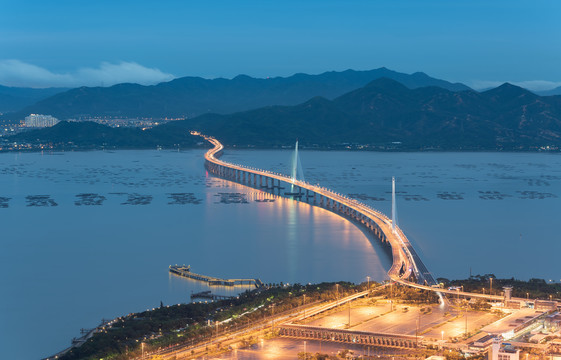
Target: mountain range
(188,97)
(16,98)
(386,114)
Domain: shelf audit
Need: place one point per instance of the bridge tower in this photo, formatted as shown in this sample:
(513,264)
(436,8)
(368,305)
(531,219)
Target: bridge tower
(295,163)
(394,208)
(297,172)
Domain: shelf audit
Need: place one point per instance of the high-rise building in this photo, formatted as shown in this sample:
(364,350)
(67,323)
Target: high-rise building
(37,120)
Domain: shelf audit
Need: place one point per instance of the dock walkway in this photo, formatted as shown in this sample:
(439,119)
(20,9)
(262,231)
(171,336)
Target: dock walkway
(185,271)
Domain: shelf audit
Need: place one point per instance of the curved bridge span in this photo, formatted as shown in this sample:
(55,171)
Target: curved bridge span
(407,267)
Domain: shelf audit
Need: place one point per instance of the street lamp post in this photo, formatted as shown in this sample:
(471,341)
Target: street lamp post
(304,306)
(368,286)
(142,345)
(466,315)
(391,296)
(349,314)
(417,332)
(337,293)
(273,318)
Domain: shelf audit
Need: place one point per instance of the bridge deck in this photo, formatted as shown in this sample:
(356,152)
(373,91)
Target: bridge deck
(402,251)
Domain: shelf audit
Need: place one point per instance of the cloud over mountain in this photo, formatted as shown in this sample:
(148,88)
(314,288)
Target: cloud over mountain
(21,74)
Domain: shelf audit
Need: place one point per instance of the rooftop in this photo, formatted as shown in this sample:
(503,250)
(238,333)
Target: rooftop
(512,321)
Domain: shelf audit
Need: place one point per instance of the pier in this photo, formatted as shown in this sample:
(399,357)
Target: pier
(185,271)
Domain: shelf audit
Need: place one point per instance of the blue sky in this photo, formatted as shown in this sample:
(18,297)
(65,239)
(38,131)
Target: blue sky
(480,43)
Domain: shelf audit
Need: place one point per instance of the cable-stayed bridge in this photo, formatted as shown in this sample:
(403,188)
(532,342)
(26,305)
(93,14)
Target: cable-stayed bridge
(407,266)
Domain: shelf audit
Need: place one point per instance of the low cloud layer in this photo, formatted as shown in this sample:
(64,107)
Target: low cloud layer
(20,74)
(533,85)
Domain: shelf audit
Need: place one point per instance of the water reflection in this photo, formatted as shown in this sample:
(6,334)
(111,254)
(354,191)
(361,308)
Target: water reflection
(461,210)
(114,258)
(292,239)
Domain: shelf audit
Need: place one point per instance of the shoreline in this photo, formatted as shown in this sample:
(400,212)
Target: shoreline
(339,148)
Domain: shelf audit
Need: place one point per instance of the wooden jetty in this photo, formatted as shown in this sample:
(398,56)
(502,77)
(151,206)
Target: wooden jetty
(185,271)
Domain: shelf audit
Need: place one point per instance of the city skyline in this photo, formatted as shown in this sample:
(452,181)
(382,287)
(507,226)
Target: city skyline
(72,44)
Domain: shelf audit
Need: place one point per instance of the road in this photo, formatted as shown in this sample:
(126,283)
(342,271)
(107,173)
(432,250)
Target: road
(258,328)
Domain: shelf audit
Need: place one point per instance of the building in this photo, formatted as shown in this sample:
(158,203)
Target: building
(519,322)
(544,305)
(503,351)
(552,322)
(40,121)
(508,292)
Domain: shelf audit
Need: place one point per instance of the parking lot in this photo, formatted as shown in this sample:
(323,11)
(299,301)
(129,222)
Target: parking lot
(429,321)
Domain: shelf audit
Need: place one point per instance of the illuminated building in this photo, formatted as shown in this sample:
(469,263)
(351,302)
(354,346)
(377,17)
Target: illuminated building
(37,120)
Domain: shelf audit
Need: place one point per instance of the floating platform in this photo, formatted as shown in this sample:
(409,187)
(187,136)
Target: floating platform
(185,271)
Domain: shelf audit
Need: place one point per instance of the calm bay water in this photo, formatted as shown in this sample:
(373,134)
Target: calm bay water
(66,263)
(491,212)
(90,235)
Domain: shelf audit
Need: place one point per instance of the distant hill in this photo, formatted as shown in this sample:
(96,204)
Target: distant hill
(192,96)
(16,98)
(384,114)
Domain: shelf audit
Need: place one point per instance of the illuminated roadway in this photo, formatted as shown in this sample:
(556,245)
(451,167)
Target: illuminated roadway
(407,268)
(404,257)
